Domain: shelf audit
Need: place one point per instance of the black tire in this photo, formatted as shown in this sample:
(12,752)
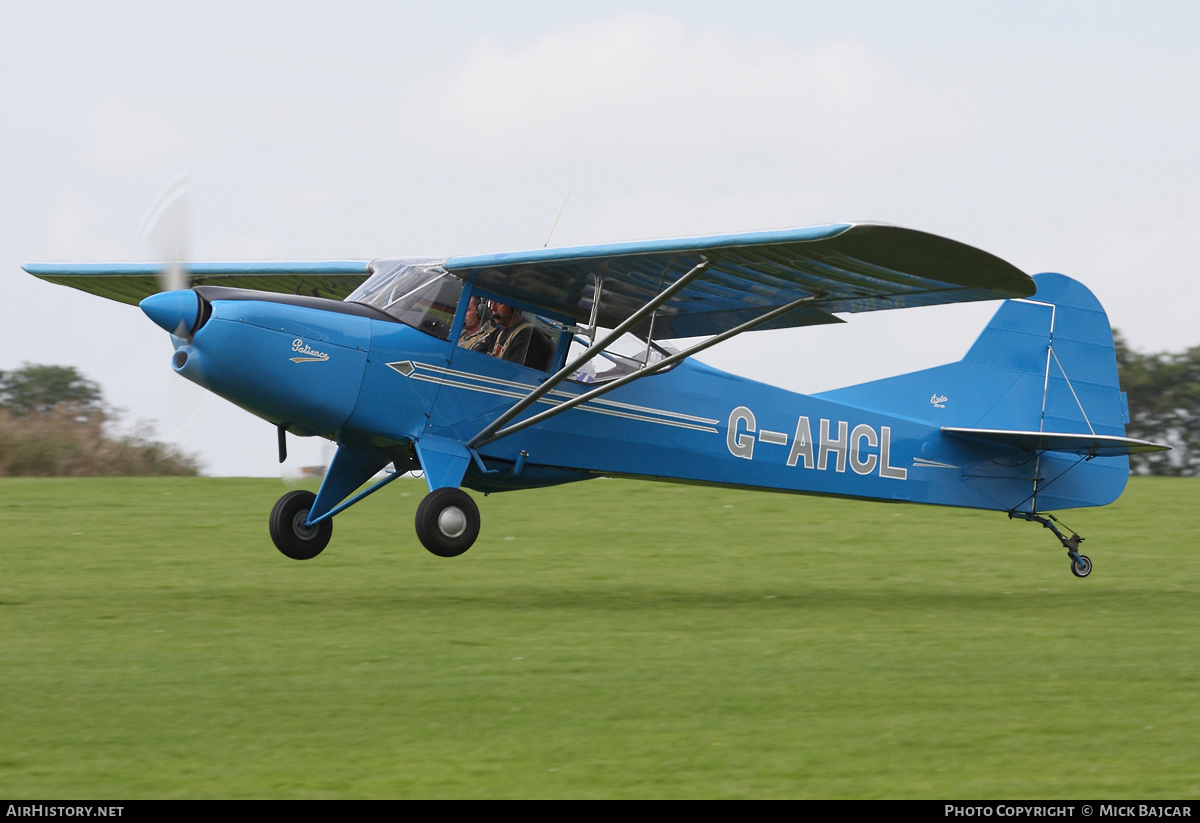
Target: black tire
(1081,567)
(447,522)
(288,531)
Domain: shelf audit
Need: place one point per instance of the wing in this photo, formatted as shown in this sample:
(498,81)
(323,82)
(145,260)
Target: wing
(845,267)
(132,282)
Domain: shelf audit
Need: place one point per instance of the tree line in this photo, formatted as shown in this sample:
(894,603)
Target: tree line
(1164,407)
(54,423)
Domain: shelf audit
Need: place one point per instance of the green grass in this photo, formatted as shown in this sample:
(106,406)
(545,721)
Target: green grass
(610,639)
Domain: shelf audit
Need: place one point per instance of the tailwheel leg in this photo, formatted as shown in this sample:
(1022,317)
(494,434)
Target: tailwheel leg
(1081,564)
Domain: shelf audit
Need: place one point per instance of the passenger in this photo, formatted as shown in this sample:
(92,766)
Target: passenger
(477,325)
(517,340)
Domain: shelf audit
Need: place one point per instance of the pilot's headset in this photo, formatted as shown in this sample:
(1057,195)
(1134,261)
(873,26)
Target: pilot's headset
(484,310)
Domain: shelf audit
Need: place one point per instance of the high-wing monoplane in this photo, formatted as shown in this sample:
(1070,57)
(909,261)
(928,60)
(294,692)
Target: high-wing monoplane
(508,371)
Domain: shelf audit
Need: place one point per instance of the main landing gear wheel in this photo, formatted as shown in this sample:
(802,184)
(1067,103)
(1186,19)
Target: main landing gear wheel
(291,536)
(1081,566)
(447,522)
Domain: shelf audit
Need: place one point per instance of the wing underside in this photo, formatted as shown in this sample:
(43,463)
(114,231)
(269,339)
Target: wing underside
(842,267)
(133,282)
(831,269)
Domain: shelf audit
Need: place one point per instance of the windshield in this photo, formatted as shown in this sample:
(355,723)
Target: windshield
(418,293)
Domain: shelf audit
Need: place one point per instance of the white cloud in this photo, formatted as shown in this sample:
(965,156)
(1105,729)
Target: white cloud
(648,94)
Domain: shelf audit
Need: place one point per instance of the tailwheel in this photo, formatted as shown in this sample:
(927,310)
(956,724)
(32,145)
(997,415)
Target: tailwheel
(1081,565)
(447,522)
(288,531)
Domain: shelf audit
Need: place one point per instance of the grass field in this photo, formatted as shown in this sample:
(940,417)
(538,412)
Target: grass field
(610,639)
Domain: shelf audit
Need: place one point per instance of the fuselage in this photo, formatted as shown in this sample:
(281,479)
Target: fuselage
(360,377)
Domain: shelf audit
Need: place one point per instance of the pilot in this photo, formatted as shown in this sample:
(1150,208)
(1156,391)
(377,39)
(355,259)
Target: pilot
(477,325)
(516,339)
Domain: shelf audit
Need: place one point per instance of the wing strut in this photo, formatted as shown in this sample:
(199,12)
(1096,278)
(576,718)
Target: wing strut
(486,436)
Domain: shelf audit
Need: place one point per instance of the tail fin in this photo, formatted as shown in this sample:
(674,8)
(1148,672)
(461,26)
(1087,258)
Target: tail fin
(1043,365)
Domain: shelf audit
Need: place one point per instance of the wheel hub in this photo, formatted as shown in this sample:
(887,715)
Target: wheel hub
(452,522)
(302,531)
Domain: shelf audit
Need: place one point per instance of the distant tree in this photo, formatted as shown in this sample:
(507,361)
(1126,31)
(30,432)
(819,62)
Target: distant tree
(54,423)
(1164,407)
(43,389)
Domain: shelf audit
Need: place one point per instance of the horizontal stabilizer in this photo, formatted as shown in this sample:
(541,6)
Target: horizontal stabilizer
(1092,445)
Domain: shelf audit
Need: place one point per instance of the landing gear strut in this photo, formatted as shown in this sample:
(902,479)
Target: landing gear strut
(1081,564)
(447,522)
(290,535)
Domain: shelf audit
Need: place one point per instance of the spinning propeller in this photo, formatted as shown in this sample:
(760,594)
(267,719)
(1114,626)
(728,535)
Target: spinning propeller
(167,232)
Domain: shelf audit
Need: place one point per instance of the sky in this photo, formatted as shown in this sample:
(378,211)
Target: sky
(1058,136)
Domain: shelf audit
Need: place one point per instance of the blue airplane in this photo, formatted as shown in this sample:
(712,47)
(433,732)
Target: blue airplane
(509,371)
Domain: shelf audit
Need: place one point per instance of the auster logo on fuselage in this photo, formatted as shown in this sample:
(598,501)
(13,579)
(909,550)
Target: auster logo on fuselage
(846,447)
(308,355)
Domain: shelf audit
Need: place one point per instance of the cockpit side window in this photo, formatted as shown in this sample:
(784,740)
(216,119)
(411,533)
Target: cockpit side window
(422,295)
(624,356)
